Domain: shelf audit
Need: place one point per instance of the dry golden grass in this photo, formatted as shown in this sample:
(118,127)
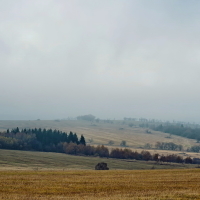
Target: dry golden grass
(88,184)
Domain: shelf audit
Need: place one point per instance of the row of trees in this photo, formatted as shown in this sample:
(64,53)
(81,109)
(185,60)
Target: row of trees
(74,149)
(156,121)
(168,146)
(38,139)
(102,151)
(180,130)
(194,149)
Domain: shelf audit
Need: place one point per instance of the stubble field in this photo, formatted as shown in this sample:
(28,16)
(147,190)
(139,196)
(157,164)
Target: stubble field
(40,175)
(90,184)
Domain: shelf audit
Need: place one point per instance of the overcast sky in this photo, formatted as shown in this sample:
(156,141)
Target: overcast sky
(109,58)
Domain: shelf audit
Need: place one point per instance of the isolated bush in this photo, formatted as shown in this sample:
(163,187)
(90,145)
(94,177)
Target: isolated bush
(123,143)
(111,142)
(90,140)
(131,124)
(148,131)
(101,166)
(148,146)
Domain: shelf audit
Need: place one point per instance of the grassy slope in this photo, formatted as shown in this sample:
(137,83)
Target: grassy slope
(102,133)
(29,160)
(90,185)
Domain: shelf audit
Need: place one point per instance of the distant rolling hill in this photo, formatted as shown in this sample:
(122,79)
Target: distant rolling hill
(102,133)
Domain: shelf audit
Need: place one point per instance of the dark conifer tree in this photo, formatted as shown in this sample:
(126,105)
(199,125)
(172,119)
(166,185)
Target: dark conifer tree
(82,140)
(17,130)
(70,137)
(75,139)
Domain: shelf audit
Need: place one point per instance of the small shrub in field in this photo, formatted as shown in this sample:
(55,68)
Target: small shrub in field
(123,143)
(101,166)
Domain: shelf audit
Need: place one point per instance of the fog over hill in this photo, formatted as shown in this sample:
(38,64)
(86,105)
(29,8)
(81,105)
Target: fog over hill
(113,59)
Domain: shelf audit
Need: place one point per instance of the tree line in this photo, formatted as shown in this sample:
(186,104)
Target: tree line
(57,141)
(194,149)
(180,130)
(37,139)
(126,153)
(168,146)
(175,147)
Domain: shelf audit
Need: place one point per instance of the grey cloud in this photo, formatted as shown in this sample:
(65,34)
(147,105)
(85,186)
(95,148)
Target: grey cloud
(108,58)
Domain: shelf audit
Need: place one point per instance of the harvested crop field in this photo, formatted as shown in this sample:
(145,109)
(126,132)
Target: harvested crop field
(90,184)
